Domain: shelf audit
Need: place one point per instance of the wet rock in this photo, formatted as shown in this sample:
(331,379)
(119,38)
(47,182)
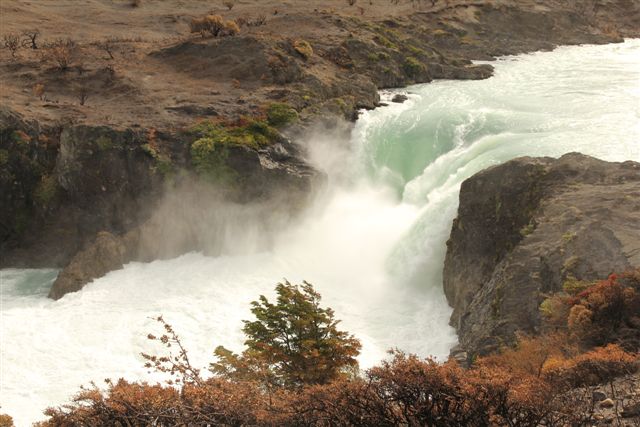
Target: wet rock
(399,98)
(525,227)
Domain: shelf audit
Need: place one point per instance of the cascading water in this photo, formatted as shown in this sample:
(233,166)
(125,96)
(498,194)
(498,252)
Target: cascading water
(373,244)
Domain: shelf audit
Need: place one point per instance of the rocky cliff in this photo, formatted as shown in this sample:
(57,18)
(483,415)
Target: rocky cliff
(527,226)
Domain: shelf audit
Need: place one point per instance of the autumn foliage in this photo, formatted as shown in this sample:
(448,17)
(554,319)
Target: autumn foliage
(595,314)
(287,376)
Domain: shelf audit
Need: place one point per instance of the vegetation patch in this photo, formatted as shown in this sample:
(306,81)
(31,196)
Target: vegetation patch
(303,48)
(104,142)
(383,41)
(209,159)
(214,25)
(162,161)
(46,190)
(251,132)
(281,114)
(412,67)
(597,313)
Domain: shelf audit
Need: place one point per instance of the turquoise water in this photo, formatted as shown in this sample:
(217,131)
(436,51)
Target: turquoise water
(373,243)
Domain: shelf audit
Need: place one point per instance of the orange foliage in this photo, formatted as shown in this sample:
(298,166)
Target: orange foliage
(594,367)
(605,312)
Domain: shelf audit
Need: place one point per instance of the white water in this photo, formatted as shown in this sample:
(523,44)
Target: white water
(373,245)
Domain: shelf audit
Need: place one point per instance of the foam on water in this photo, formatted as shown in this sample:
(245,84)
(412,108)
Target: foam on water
(373,244)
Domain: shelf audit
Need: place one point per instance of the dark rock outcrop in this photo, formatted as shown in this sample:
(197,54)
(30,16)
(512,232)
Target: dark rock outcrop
(62,184)
(106,253)
(525,227)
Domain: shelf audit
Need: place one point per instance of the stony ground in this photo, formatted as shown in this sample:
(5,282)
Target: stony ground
(141,66)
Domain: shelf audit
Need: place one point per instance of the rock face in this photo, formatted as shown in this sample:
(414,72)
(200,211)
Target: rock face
(195,216)
(525,227)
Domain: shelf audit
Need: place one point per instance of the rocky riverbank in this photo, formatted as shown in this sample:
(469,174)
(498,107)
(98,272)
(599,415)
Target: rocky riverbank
(89,147)
(528,227)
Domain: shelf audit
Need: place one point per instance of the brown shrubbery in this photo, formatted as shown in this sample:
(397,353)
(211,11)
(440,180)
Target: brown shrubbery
(282,379)
(403,391)
(214,25)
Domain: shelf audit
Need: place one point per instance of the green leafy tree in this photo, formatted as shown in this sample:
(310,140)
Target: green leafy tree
(292,342)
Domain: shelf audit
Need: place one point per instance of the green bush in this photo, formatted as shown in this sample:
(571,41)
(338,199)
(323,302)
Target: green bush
(280,114)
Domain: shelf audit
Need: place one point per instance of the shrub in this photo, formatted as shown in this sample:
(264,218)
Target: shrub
(597,313)
(529,355)
(230,28)
(303,48)
(281,114)
(31,36)
(597,366)
(212,24)
(61,52)
(12,42)
(412,67)
(229,4)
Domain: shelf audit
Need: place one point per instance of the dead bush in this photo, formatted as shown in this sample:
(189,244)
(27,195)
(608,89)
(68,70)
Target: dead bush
(214,25)
(108,46)
(11,41)
(230,28)
(30,38)
(229,4)
(258,21)
(61,52)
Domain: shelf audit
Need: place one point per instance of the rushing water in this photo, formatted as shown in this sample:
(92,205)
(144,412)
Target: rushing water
(373,244)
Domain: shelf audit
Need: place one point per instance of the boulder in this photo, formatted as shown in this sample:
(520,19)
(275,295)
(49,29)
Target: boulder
(106,253)
(524,228)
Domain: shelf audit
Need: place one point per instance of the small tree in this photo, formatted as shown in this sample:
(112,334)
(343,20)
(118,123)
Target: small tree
(292,343)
